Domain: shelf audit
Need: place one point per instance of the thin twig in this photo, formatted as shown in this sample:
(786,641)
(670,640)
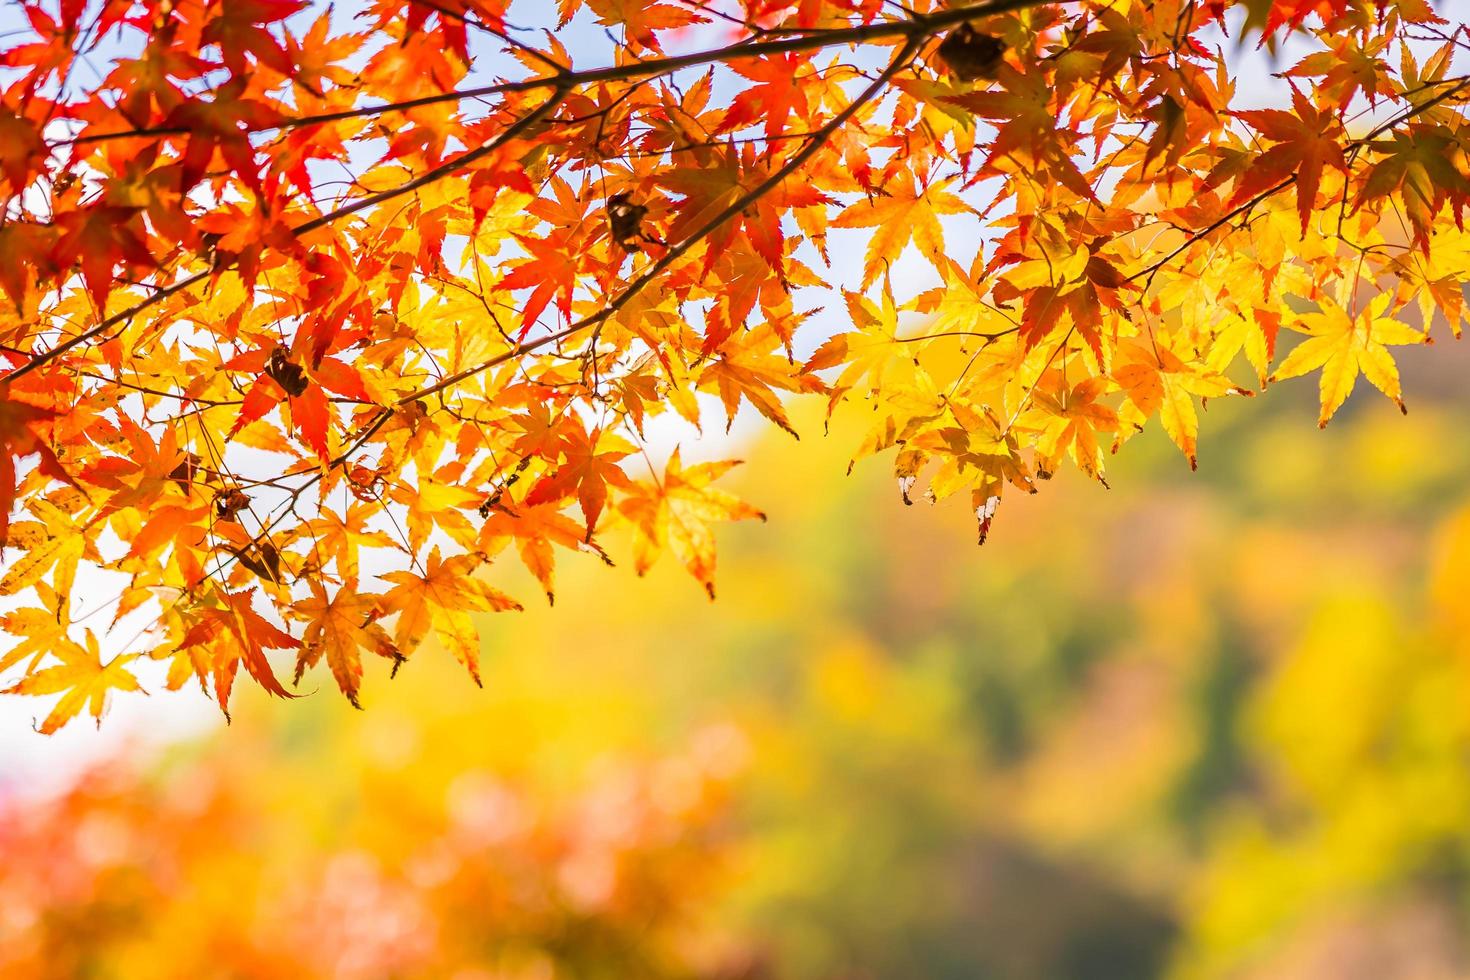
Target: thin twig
(321,221)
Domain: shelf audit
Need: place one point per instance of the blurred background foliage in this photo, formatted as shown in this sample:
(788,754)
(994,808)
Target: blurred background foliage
(1208,725)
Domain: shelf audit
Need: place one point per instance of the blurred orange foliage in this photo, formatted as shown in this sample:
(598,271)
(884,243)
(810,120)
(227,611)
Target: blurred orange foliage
(226,866)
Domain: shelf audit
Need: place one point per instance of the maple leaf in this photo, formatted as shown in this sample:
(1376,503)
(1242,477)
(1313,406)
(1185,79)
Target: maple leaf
(1076,416)
(54,543)
(25,248)
(979,452)
(554,261)
(1271,15)
(437,502)
(640,18)
(750,371)
(22,150)
(901,214)
(38,61)
(1343,345)
(149,470)
(339,538)
(589,465)
(866,353)
(220,124)
(677,513)
(318,57)
(1417,166)
(82,680)
(776,96)
(1156,379)
(232,632)
(339,628)
(40,629)
(240,30)
(167,523)
(1434,280)
(535,530)
(708,186)
(1026,127)
(302,389)
(488,180)
(442,598)
(1254,333)
(1306,143)
(99,239)
(21,435)
(540,432)
(1347,69)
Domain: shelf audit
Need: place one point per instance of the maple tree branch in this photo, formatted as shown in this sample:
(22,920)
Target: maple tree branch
(1459,85)
(1215,225)
(427,177)
(444,169)
(967,334)
(144,389)
(755,29)
(475,22)
(916,27)
(818,140)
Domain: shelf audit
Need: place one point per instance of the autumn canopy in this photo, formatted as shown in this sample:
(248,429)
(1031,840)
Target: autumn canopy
(309,314)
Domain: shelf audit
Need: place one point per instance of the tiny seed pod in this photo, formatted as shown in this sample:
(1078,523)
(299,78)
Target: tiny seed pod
(228,503)
(187,470)
(283,372)
(970,54)
(263,560)
(625,219)
(363,483)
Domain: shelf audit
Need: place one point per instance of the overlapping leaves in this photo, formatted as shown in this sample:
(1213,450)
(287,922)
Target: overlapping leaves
(309,319)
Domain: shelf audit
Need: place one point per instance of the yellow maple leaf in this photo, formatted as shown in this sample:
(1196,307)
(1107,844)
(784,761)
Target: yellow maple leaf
(1342,346)
(535,529)
(1071,417)
(40,630)
(81,679)
(1156,379)
(899,216)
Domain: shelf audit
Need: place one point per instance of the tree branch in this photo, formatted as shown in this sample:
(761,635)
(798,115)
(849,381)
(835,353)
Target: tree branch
(917,26)
(818,140)
(427,177)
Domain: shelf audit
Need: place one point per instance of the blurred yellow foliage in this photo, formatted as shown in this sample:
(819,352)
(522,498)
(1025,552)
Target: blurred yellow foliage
(1198,727)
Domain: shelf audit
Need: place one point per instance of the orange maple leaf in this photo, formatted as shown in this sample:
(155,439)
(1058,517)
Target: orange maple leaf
(21,435)
(442,598)
(678,512)
(338,628)
(1306,142)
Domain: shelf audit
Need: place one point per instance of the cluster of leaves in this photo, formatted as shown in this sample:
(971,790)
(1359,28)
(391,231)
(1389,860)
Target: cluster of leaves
(277,291)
